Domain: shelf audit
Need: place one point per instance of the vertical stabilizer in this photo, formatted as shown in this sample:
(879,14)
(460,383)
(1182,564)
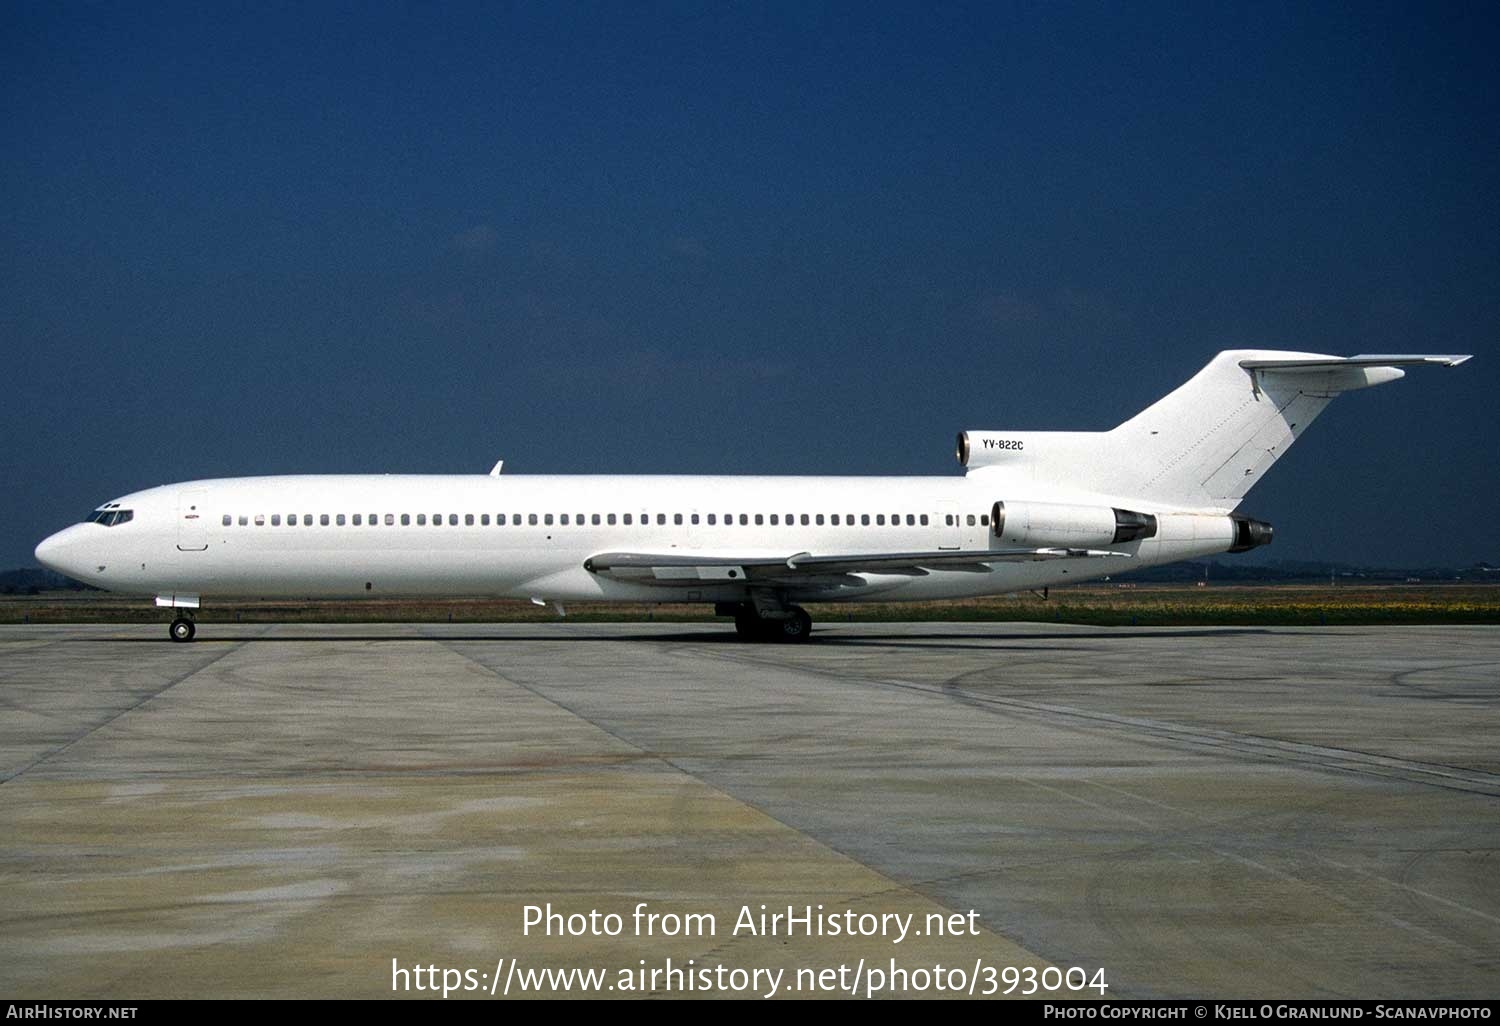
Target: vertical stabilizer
(1206,444)
(1203,446)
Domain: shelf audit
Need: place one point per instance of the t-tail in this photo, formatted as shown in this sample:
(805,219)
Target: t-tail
(1199,449)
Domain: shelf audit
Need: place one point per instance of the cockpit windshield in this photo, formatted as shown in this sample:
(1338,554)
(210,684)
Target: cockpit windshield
(110,517)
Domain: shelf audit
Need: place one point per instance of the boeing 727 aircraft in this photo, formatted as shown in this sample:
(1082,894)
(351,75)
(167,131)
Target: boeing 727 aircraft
(1033,508)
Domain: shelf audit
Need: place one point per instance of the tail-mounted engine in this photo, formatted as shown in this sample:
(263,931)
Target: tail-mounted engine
(1249,534)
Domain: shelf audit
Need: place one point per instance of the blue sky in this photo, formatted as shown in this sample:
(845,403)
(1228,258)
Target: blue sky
(748,238)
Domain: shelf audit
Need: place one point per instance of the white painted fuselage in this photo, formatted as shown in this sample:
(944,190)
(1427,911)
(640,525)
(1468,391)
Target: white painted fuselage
(530,536)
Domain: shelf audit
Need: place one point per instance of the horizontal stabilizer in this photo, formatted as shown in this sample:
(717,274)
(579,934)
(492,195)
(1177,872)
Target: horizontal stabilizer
(1314,363)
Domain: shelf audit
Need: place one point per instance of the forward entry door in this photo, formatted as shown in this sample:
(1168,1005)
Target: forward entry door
(192,522)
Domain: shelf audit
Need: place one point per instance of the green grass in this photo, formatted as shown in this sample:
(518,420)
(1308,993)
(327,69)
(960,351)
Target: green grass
(1095,604)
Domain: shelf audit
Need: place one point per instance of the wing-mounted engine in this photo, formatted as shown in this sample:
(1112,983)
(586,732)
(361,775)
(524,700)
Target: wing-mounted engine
(1052,523)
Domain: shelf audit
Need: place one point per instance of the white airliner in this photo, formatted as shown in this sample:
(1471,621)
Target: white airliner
(1034,508)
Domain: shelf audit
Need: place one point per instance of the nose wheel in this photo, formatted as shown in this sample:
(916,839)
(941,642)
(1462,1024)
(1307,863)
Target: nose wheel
(182,629)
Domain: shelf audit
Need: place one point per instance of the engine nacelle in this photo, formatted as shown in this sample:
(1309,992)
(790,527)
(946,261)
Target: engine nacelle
(977,449)
(1249,534)
(1051,524)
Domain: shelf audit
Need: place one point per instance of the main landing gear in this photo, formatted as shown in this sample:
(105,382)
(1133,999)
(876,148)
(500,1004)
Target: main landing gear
(182,629)
(786,623)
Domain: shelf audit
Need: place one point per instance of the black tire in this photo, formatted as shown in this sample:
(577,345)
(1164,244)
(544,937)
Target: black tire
(182,629)
(748,626)
(797,627)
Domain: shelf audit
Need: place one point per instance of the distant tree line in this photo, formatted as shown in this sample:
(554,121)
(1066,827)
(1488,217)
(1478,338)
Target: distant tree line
(1293,571)
(36,581)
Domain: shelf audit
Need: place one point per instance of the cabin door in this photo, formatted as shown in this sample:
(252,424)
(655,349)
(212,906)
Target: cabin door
(192,521)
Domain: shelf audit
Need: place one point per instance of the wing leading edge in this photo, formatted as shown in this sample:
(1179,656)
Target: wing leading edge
(689,569)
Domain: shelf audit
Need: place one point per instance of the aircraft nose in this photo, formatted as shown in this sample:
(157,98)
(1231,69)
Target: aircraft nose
(61,552)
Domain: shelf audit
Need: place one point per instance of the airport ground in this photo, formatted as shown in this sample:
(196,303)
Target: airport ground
(1099,603)
(282,809)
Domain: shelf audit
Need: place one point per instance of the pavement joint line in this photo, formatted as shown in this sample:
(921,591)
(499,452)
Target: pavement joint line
(1323,757)
(895,885)
(1455,905)
(59,750)
(1343,901)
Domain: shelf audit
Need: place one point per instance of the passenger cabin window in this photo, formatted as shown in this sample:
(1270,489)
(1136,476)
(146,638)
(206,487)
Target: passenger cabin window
(339,520)
(357,521)
(260,519)
(453,520)
(323,520)
(244,520)
(611,519)
(228,520)
(421,519)
(406,520)
(275,520)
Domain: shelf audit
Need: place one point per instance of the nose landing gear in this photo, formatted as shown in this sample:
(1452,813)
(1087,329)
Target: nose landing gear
(182,629)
